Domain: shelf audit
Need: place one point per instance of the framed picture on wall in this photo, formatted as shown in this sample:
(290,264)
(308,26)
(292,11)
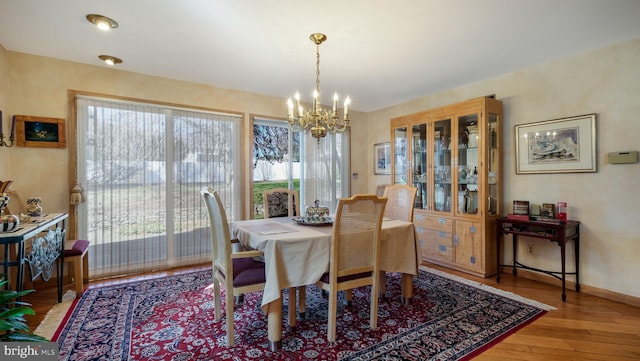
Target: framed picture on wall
(566,145)
(40,132)
(382,158)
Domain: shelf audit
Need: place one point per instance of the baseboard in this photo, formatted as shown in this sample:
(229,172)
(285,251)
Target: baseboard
(571,285)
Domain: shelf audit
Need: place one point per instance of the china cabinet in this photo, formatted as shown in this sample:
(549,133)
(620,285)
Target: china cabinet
(452,155)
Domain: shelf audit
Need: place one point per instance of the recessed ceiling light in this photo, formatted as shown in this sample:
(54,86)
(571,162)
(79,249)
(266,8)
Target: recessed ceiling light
(110,60)
(102,22)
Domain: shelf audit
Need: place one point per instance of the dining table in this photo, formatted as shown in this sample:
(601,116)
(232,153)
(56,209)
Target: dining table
(296,254)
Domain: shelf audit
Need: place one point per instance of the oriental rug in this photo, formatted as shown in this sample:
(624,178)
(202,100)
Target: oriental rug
(172,318)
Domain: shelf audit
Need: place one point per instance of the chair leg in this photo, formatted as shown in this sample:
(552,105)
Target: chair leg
(373,311)
(331,325)
(229,314)
(78,269)
(216,299)
(85,267)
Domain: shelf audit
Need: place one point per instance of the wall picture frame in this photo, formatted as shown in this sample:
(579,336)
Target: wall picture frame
(382,158)
(565,145)
(40,132)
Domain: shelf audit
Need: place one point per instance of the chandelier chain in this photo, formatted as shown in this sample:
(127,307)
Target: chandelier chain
(318,67)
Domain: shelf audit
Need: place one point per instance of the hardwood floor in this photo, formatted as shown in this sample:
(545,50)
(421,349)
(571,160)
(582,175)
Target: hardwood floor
(583,328)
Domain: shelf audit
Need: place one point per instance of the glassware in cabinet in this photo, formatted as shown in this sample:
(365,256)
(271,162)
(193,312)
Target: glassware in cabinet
(441,184)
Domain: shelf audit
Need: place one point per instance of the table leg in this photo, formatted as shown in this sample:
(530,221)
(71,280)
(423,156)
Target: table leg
(498,242)
(382,277)
(577,260)
(302,301)
(274,322)
(514,237)
(562,254)
(292,307)
(407,288)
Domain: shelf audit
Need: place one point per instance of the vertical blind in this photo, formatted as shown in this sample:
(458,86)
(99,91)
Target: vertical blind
(142,166)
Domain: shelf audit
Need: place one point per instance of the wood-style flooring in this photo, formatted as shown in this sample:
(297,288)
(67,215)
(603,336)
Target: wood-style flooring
(585,327)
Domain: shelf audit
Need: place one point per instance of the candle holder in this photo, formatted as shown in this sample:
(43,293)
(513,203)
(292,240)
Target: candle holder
(12,140)
(12,137)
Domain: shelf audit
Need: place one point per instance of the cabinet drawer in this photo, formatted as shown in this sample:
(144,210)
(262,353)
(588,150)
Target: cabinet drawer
(436,223)
(438,248)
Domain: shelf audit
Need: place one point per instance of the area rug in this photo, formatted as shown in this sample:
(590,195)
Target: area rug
(172,318)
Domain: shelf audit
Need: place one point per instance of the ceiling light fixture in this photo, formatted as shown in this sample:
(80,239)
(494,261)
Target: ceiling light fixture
(110,60)
(317,120)
(102,22)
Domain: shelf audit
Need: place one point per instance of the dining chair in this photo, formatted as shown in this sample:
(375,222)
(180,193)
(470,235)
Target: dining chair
(400,202)
(281,202)
(380,189)
(400,205)
(284,202)
(354,260)
(237,271)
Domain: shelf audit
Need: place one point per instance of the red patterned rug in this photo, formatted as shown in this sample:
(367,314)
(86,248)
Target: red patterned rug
(171,318)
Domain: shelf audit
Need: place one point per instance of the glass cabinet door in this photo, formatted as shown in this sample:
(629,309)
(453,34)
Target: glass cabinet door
(493,164)
(419,164)
(401,162)
(442,131)
(468,168)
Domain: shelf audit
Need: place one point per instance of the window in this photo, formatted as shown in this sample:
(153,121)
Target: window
(321,167)
(142,166)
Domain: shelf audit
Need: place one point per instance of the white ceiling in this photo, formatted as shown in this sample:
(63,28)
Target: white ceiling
(379,52)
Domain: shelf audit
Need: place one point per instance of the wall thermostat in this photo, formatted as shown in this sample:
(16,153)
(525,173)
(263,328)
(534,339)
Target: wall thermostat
(623,157)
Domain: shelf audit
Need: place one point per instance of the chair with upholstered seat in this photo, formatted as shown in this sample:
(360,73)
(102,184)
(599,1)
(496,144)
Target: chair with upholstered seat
(400,202)
(76,254)
(238,272)
(281,202)
(284,202)
(354,259)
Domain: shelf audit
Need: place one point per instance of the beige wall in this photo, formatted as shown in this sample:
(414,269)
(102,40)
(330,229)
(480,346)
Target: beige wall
(604,81)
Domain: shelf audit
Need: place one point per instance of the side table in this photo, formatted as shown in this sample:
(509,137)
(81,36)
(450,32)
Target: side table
(554,230)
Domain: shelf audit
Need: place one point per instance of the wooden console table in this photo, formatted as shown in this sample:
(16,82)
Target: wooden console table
(552,230)
(38,244)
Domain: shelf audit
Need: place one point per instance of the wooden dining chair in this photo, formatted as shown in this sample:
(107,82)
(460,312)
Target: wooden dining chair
(237,271)
(281,202)
(354,260)
(284,202)
(400,202)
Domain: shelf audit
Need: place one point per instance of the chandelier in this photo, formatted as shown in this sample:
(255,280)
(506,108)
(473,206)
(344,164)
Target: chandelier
(317,120)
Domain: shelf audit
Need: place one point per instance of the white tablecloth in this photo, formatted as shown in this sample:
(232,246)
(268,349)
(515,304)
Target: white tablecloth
(298,255)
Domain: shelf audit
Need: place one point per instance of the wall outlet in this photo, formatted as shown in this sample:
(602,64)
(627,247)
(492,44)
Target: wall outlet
(530,249)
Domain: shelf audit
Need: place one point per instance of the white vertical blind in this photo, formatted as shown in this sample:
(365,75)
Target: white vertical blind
(142,166)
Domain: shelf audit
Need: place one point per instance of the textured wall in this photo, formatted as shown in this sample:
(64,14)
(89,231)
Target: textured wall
(604,81)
